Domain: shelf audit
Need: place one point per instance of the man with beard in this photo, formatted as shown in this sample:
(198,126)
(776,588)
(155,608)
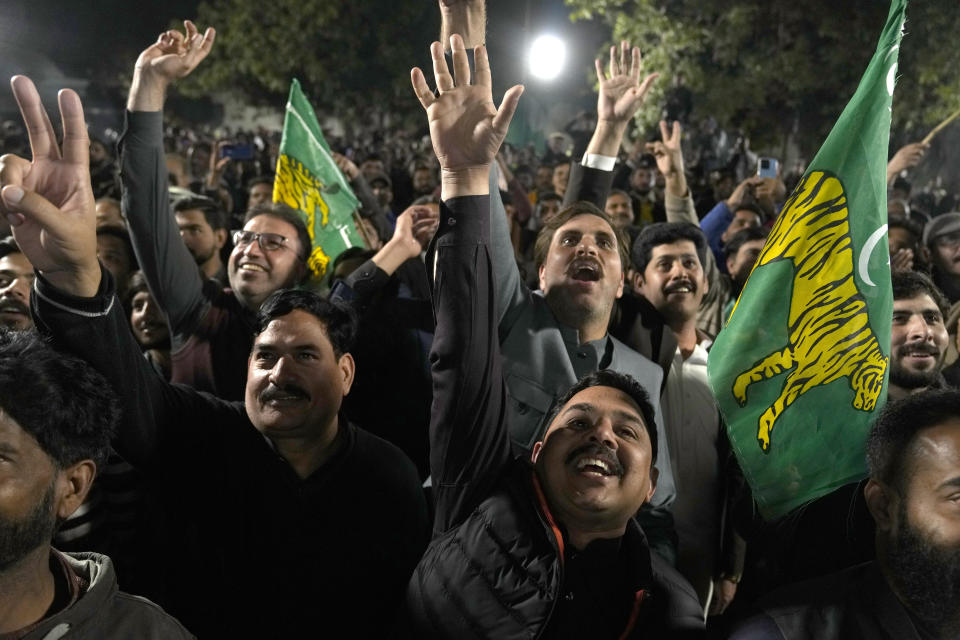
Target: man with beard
(50,451)
(211,326)
(16,278)
(202,225)
(918,336)
(912,590)
(281,502)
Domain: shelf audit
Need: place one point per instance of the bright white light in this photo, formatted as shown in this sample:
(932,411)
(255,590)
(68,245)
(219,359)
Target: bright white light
(547,57)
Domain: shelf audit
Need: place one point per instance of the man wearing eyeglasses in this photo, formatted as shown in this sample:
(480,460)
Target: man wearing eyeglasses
(210,327)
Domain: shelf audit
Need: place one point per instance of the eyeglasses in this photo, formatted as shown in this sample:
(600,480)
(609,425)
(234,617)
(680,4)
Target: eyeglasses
(949,240)
(267,241)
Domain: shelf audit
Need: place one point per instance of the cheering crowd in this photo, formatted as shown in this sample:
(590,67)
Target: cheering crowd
(493,421)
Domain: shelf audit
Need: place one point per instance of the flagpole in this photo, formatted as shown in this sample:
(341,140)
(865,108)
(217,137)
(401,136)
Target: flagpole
(362,229)
(953,116)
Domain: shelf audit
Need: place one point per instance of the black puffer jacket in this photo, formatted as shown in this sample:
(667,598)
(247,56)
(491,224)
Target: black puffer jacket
(499,574)
(495,566)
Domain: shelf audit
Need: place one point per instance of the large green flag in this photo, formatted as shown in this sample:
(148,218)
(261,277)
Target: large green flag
(309,181)
(801,367)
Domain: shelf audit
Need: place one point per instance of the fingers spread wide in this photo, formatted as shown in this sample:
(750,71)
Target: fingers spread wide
(424,95)
(440,71)
(461,64)
(501,121)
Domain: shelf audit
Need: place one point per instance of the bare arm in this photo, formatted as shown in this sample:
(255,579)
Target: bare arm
(468,18)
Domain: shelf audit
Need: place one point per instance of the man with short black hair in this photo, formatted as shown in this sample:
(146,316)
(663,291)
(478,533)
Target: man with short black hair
(668,258)
(912,590)
(542,544)
(620,208)
(202,225)
(109,213)
(56,418)
(211,327)
(259,191)
(116,252)
(16,279)
(918,335)
(282,504)
(906,249)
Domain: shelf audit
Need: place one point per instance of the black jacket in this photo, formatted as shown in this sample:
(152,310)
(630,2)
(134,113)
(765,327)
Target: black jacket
(255,551)
(495,567)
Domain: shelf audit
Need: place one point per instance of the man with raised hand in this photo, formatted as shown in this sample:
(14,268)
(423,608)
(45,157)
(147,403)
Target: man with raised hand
(534,546)
(211,327)
(552,337)
(287,514)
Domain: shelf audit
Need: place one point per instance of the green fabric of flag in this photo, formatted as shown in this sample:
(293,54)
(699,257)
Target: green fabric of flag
(801,368)
(309,181)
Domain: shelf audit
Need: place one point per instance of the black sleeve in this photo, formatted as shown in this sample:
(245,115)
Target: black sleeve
(369,207)
(587,184)
(152,411)
(170,270)
(469,441)
(361,287)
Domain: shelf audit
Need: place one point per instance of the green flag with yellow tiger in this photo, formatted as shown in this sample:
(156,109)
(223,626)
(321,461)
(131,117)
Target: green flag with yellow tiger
(309,181)
(801,368)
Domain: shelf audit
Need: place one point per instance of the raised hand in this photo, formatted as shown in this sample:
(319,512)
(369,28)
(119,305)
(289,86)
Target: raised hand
(217,165)
(669,157)
(174,55)
(346,166)
(622,93)
(906,157)
(48,201)
(465,127)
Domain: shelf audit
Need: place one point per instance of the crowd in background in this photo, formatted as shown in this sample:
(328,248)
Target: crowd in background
(690,188)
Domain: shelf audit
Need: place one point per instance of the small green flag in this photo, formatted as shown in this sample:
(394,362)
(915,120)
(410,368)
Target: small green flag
(309,181)
(802,365)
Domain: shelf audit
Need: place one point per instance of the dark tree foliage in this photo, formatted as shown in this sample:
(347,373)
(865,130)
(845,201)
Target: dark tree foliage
(779,67)
(347,55)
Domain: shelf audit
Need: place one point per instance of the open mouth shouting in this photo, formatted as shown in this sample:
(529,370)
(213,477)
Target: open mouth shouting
(585,270)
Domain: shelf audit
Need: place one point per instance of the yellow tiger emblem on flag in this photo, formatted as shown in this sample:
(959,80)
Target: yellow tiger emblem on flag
(299,189)
(829,332)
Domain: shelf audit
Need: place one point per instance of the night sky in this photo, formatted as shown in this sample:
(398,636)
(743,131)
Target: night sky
(80,35)
(98,41)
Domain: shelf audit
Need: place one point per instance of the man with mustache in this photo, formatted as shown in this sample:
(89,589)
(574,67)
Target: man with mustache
(918,335)
(545,544)
(552,337)
(669,258)
(56,418)
(16,278)
(210,326)
(287,513)
(912,590)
